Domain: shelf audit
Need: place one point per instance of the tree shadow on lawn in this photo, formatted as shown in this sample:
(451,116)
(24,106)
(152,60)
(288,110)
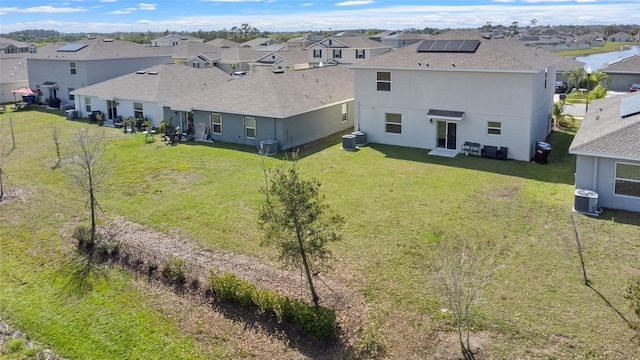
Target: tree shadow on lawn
(559,169)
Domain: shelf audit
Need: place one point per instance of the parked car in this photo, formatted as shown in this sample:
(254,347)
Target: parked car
(561,87)
(634,87)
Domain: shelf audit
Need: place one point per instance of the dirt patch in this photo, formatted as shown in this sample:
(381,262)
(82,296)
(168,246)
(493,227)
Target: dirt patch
(12,194)
(448,346)
(155,248)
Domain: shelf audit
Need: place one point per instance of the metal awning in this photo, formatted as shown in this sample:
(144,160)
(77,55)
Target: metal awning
(445,114)
(50,84)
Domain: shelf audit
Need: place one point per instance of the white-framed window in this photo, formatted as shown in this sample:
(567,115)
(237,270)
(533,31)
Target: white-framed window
(87,104)
(344,112)
(337,53)
(137,110)
(216,124)
(627,179)
(359,54)
(250,127)
(383,79)
(71,97)
(494,128)
(72,65)
(393,123)
(317,53)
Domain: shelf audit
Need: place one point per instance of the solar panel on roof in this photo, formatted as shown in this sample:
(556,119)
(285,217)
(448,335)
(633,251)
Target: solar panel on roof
(454,45)
(72,47)
(448,46)
(630,106)
(469,46)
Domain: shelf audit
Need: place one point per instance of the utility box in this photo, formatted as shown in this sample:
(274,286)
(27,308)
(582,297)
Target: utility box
(269,147)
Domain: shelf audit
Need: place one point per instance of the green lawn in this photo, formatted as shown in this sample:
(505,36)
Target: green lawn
(607,47)
(398,203)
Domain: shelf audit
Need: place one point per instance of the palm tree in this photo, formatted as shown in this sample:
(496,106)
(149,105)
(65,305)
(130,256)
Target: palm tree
(574,76)
(559,115)
(598,77)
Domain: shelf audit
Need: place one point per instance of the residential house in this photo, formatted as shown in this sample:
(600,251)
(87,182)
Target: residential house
(259,43)
(174,40)
(344,49)
(288,59)
(10,46)
(620,37)
(222,43)
(457,87)
(287,108)
(238,59)
(57,70)
(12,76)
(398,39)
(185,51)
(146,93)
(593,38)
(607,152)
(567,64)
(304,41)
(623,72)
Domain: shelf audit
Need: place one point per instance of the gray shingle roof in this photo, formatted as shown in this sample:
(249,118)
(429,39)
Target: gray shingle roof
(605,133)
(170,80)
(628,65)
(567,63)
(492,54)
(99,49)
(222,43)
(268,94)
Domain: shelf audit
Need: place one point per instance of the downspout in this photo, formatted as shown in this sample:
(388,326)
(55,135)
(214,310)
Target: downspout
(356,116)
(594,178)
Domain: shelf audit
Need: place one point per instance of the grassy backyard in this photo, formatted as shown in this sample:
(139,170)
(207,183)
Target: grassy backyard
(398,204)
(607,47)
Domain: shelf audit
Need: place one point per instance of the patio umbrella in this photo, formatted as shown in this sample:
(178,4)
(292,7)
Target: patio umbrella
(25,91)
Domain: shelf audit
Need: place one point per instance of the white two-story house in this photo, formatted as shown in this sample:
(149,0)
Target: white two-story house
(345,49)
(457,87)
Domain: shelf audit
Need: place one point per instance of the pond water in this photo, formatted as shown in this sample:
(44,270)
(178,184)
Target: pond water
(597,61)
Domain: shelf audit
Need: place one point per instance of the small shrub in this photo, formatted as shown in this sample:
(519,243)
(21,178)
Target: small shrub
(175,271)
(82,234)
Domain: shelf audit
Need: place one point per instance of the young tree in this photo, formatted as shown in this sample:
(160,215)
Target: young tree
(55,134)
(633,295)
(574,76)
(560,116)
(88,168)
(462,272)
(296,220)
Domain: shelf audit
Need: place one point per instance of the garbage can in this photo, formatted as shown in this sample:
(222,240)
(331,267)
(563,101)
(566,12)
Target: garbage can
(542,152)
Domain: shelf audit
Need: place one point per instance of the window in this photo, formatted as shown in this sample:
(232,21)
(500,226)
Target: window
(71,97)
(384,81)
(317,53)
(627,180)
(494,128)
(216,123)
(360,54)
(87,104)
(337,53)
(393,123)
(250,127)
(137,110)
(73,67)
(344,112)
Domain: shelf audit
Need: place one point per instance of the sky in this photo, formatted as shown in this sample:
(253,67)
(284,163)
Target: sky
(105,16)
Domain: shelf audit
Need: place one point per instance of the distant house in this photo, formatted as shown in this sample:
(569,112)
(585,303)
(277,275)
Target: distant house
(10,46)
(398,39)
(222,43)
(174,40)
(567,64)
(147,92)
(457,87)
(623,72)
(182,52)
(287,59)
(620,37)
(288,108)
(304,41)
(13,76)
(57,70)
(608,153)
(593,38)
(344,49)
(259,42)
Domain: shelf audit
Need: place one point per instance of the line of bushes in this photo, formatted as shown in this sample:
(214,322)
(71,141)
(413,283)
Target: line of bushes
(320,322)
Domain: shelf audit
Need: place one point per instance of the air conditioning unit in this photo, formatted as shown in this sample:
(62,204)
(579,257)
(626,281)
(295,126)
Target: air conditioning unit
(349,142)
(269,147)
(586,202)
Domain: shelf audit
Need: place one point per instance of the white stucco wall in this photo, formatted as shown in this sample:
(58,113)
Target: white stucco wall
(598,174)
(518,100)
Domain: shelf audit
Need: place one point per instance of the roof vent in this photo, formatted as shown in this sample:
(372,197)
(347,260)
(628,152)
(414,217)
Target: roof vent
(141,72)
(107,40)
(278,71)
(152,73)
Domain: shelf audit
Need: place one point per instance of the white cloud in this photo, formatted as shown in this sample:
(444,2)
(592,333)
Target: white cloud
(108,1)
(119,12)
(307,4)
(145,6)
(355,2)
(232,1)
(42,9)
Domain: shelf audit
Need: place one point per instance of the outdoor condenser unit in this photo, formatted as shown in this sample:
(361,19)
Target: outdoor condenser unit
(269,147)
(586,201)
